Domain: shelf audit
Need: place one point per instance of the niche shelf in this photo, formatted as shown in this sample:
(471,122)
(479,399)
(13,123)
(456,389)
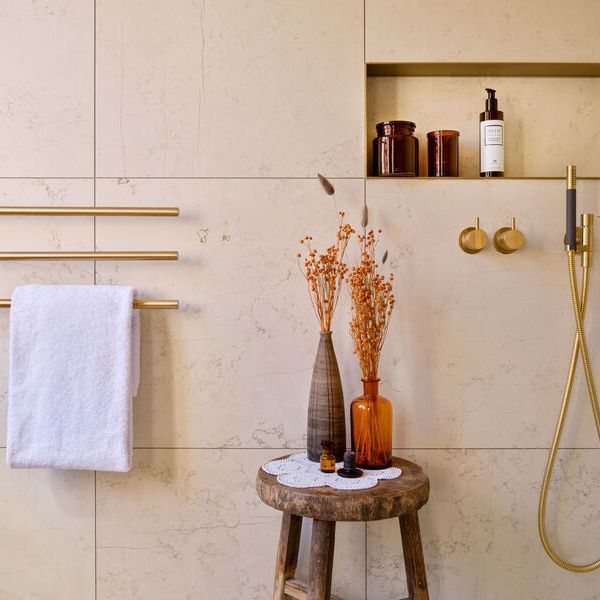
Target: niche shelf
(551,111)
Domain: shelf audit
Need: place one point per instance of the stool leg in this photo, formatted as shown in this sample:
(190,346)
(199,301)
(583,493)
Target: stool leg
(287,553)
(413,557)
(321,560)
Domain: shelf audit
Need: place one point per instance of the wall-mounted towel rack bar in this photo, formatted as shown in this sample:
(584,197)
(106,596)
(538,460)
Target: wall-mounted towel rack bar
(6,303)
(91,211)
(160,255)
(95,211)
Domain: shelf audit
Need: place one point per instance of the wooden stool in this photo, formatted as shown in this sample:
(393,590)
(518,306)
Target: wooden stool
(401,497)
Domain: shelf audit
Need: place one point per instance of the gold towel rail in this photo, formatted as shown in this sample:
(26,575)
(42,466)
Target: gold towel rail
(92,211)
(159,255)
(96,211)
(6,302)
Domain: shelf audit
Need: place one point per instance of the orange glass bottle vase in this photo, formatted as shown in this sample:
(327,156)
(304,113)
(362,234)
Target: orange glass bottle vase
(371,421)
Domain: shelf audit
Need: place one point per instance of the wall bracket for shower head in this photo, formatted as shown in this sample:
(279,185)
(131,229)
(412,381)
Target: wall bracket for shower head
(587,239)
(584,238)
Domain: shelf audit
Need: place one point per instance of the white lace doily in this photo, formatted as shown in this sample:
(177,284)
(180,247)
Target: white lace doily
(299,472)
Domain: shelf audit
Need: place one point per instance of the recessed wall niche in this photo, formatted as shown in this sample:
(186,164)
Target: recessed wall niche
(545,105)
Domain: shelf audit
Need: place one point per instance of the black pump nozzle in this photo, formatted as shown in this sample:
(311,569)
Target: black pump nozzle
(491,102)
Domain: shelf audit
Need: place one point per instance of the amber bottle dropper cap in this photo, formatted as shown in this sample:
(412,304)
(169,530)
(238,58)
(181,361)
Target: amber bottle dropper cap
(349,469)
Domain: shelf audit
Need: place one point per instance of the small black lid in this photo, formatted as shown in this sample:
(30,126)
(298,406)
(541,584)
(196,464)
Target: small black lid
(491,102)
(349,461)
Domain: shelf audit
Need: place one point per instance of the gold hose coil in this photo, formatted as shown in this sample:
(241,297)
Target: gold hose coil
(579,344)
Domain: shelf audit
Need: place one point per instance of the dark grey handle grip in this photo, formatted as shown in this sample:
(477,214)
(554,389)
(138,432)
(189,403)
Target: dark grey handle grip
(571,219)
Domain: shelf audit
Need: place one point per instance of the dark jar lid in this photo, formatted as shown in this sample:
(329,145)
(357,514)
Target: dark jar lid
(395,127)
(444,133)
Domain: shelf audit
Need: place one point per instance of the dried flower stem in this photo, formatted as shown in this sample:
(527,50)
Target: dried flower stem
(325,273)
(372,305)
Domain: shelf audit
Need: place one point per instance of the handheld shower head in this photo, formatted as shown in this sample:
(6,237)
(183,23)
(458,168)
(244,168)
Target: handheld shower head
(578,299)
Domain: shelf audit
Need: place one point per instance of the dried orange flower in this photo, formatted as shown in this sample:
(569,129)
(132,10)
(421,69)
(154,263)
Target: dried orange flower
(325,272)
(372,304)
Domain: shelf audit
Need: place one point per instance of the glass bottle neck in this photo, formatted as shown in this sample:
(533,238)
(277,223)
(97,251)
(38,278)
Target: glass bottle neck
(371,388)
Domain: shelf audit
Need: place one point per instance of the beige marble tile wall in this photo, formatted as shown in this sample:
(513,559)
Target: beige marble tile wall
(467,30)
(227,109)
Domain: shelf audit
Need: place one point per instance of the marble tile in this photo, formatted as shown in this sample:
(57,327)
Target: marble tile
(477,350)
(232,367)
(531,147)
(186,524)
(46,98)
(46,534)
(39,234)
(479,345)
(230,89)
(479,527)
(466,31)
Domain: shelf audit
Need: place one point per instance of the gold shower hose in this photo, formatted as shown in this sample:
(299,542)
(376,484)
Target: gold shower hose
(579,345)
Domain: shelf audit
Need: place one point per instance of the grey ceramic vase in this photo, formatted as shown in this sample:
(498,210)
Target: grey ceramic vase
(326,418)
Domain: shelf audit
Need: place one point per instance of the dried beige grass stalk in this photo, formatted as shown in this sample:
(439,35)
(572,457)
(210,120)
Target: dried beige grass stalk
(365,217)
(327,185)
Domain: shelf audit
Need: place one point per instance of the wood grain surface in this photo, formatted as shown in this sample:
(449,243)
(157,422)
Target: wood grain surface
(388,499)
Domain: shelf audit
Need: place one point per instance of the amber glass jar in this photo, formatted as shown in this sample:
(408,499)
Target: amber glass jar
(371,420)
(442,153)
(396,149)
(327,461)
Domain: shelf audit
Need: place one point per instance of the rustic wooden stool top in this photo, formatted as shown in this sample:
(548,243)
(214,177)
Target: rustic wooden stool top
(392,498)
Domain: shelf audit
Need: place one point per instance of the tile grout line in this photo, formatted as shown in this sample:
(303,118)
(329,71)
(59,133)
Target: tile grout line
(364,31)
(94,143)
(365,572)
(478,449)
(181,177)
(95,274)
(438,448)
(95,535)
(366,548)
(366,560)
(532,178)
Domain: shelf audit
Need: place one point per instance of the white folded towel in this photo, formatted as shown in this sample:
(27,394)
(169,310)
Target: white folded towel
(74,369)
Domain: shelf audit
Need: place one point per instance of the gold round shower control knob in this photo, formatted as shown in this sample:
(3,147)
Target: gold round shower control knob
(509,239)
(473,239)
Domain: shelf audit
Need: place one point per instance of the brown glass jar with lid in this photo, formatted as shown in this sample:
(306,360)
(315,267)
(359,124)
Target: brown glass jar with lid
(396,149)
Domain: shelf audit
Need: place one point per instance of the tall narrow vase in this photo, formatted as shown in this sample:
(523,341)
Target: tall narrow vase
(372,428)
(326,419)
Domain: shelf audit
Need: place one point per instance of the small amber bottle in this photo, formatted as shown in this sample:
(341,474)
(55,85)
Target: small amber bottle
(327,462)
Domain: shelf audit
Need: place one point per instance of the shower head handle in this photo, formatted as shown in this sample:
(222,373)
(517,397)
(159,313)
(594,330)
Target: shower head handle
(571,225)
